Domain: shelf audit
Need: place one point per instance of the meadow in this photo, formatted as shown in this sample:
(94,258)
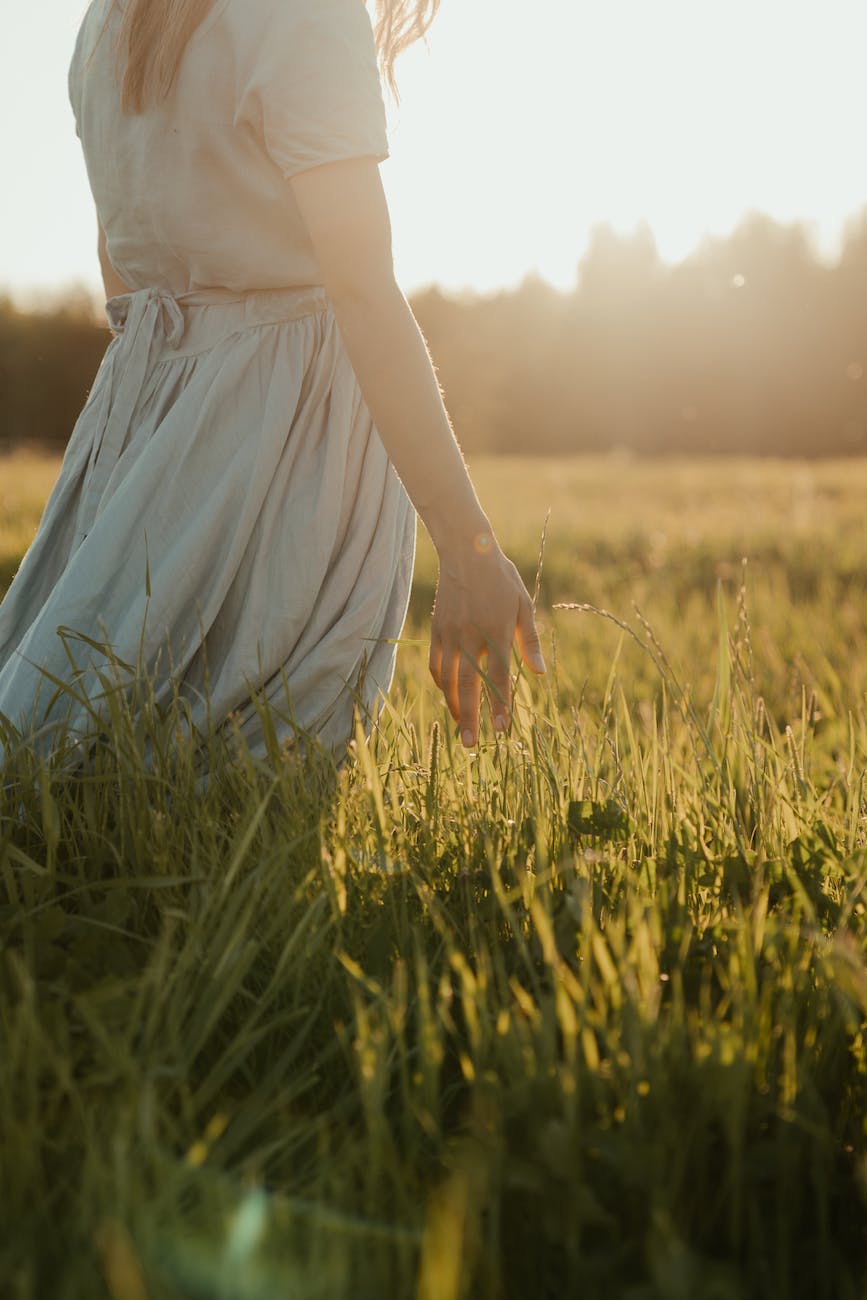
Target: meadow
(581,1012)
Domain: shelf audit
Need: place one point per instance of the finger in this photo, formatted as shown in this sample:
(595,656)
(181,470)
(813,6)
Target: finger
(499,683)
(435,661)
(449,679)
(469,690)
(528,637)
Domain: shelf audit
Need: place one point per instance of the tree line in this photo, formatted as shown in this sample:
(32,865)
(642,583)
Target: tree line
(752,345)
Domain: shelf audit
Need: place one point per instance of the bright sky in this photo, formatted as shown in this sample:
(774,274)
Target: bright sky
(522,125)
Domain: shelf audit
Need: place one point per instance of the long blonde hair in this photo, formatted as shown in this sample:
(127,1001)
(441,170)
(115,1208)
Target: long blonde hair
(155,33)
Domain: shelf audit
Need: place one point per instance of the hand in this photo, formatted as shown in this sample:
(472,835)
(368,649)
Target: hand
(481,606)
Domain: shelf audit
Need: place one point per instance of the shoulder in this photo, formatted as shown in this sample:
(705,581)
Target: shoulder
(91,32)
(308,80)
(302,40)
(98,17)
(294,11)
(252,21)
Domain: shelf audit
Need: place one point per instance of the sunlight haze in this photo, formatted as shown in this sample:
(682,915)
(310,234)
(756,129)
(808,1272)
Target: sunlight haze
(519,129)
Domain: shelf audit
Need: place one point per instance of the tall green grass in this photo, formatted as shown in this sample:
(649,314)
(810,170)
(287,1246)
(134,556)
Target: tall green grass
(579,1013)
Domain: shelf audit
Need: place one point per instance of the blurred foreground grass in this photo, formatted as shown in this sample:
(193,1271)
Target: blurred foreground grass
(581,1013)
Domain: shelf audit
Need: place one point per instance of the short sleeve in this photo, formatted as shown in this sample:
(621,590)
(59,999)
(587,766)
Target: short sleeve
(310,83)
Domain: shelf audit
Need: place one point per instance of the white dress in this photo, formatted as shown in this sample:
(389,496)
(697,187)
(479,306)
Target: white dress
(225,512)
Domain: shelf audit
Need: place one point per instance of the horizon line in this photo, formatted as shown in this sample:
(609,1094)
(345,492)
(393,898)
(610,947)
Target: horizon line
(41,296)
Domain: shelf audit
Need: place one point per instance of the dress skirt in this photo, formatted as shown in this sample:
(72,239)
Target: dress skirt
(225,517)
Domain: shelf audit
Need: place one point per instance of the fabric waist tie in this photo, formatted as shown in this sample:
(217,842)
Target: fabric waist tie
(151,322)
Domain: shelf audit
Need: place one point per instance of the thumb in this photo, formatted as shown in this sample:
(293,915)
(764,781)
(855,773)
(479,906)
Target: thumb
(528,637)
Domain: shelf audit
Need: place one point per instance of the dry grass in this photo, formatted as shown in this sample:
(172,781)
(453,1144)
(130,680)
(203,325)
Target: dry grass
(583,1012)
(26,479)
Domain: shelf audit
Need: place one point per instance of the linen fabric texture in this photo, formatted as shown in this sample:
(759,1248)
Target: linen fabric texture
(225,515)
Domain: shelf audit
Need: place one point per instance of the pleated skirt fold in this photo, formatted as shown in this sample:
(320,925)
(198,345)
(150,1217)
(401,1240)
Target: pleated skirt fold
(226,517)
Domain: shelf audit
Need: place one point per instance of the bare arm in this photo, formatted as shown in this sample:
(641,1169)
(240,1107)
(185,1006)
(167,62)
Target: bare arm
(481,602)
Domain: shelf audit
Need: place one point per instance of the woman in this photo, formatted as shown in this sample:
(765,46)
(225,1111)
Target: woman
(230,507)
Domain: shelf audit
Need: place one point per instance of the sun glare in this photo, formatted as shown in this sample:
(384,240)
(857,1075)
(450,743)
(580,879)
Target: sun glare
(523,128)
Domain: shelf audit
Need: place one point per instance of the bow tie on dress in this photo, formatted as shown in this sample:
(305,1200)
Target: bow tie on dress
(154,310)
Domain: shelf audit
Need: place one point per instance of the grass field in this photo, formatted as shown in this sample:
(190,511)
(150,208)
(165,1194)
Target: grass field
(579,1014)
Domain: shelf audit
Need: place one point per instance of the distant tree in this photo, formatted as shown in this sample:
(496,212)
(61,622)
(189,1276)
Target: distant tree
(47,364)
(751,345)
